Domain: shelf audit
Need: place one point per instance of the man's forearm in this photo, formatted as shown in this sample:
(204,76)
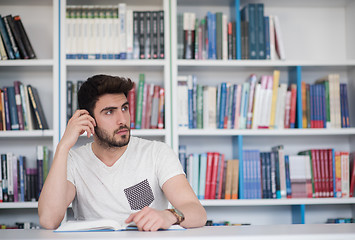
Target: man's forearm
(53,200)
(195,215)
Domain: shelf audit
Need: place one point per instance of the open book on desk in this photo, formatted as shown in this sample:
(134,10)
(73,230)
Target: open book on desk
(100,225)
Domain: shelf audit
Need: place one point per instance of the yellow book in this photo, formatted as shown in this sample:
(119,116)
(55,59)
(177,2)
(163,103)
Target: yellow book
(235,177)
(275,87)
(229,179)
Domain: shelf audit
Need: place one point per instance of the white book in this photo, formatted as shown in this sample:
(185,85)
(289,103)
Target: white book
(209,108)
(85,31)
(100,225)
(182,91)
(280,49)
(224,37)
(10,176)
(122,16)
(129,33)
(268,103)
(257,106)
(273,54)
(280,106)
(345,184)
(98,29)
(263,102)
(78,37)
(91,32)
(115,37)
(238,95)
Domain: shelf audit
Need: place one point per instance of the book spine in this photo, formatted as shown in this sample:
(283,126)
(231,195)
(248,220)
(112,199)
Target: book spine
(161,110)
(260,31)
(123,31)
(139,106)
(6,109)
(12,39)
(19,105)
(13,109)
(37,107)
(161,38)
(17,37)
(6,39)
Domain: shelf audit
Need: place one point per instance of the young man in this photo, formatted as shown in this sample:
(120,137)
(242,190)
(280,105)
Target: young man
(116,176)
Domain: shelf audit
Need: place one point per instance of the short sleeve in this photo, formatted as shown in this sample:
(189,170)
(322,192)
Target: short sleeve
(70,168)
(167,165)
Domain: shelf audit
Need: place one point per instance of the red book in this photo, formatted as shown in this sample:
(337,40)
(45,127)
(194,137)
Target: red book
(326,171)
(214,175)
(315,174)
(208,175)
(161,108)
(293,106)
(132,105)
(321,173)
(220,177)
(352,174)
(330,169)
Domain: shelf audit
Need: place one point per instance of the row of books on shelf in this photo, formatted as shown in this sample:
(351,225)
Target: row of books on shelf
(21,108)
(315,173)
(146,103)
(14,42)
(262,104)
(20,225)
(113,32)
(20,180)
(214,36)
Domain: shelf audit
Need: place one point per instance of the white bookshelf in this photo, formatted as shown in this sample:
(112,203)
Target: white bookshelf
(315,42)
(156,71)
(41,73)
(318,37)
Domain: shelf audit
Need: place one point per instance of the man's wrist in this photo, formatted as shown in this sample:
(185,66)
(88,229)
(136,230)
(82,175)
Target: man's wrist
(179,216)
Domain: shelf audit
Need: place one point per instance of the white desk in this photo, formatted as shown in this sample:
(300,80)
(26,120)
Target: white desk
(264,232)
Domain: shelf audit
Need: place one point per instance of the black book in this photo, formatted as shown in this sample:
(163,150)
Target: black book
(5,195)
(6,39)
(37,108)
(154,35)
(136,44)
(147,35)
(161,53)
(141,30)
(24,37)
(17,37)
(12,38)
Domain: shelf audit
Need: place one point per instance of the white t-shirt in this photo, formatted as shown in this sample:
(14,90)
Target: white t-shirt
(133,182)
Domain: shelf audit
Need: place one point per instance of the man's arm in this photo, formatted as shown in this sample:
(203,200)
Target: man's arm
(57,192)
(180,194)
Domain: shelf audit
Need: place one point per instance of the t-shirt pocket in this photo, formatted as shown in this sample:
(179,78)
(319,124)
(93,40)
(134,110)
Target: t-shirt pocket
(139,195)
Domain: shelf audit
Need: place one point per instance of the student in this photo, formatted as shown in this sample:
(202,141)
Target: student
(116,176)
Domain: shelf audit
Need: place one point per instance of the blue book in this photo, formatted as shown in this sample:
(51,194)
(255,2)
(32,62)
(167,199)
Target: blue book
(268,175)
(288,180)
(196,173)
(238,43)
(263,174)
(182,156)
(260,31)
(324,106)
(190,100)
(211,28)
(12,108)
(194,97)
(21,177)
(222,107)
(256,157)
(235,86)
(6,109)
(218,101)
(202,176)
(244,105)
(346,106)
(248,14)
(267,37)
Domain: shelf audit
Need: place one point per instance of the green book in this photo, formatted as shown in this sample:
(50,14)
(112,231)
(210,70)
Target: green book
(139,106)
(199,106)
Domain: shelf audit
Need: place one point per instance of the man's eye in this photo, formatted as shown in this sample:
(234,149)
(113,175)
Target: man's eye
(109,112)
(125,108)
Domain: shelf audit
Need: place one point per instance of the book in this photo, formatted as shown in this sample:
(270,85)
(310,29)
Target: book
(12,38)
(6,39)
(37,108)
(100,225)
(17,37)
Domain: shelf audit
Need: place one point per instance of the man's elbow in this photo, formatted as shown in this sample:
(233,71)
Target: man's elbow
(49,222)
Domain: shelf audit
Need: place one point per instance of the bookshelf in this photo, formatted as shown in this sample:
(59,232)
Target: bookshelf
(42,73)
(310,50)
(315,43)
(156,71)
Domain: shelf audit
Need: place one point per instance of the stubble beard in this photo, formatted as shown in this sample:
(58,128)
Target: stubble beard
(107,141)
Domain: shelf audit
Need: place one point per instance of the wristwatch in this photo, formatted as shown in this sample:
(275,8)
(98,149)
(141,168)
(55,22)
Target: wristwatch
(179,216)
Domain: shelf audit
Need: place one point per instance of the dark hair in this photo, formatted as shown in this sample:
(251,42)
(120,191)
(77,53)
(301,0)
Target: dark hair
(98,85)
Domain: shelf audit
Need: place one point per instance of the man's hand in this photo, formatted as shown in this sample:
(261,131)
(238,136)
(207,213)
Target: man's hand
(80,122)
(150,219)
